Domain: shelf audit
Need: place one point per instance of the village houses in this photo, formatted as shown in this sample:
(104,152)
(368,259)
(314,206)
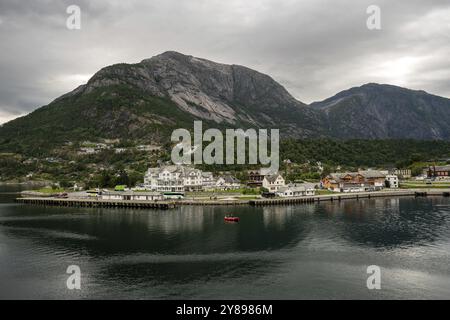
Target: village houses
(178,178)
(360,181)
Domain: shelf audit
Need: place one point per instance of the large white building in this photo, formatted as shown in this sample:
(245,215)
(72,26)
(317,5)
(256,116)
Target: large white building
(192,179)
(208,180)
(178,178)
(297,190)
(165,179)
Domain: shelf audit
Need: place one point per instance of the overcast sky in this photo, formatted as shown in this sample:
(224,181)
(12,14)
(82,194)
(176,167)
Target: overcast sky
(315,48)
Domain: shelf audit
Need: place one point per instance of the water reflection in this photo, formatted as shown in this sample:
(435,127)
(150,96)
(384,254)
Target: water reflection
(192,252)
(380,223)
(183,231)
(389,223)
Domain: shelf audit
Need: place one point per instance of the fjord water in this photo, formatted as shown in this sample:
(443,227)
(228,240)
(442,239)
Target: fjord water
(290,252)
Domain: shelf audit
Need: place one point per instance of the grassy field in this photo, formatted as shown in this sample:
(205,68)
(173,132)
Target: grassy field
(50,190)
(320,191)
(249,197)
(424,186)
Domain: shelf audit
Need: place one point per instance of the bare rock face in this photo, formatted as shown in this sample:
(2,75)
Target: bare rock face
(227,94)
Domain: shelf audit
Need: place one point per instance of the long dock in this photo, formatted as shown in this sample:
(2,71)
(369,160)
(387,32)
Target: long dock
(96,203)
(164,205)
(351,196)
(212,202)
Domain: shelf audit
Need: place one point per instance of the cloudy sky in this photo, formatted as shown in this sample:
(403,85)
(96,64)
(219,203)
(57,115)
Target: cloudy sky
(315,48)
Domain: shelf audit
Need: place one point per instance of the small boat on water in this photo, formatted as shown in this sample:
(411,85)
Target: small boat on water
(231,218)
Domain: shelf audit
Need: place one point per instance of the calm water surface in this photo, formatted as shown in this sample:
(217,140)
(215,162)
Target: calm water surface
(290,252)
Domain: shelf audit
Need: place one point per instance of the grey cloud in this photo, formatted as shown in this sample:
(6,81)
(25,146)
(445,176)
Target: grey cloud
(314,48)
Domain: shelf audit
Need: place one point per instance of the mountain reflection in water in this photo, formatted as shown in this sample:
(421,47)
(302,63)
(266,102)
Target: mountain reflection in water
(305,251)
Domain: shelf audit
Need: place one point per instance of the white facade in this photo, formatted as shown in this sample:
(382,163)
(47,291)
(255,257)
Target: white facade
(165,179)
(208,181)
(177,178)
(133,196)
(403,173)
(350,189)
(297,190)
(192,179)
(273,182)
(393,180)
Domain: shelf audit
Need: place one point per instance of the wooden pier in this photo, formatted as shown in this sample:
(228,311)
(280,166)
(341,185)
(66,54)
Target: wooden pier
(212,202)
(96,203)
(164,205)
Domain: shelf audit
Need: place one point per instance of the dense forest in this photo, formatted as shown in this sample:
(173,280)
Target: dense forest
(108,168)
(369,153)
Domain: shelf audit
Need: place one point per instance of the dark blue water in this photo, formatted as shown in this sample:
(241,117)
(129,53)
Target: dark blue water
(292,252)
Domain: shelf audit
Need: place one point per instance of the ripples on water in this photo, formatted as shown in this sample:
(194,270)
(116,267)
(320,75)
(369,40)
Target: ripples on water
(306,251)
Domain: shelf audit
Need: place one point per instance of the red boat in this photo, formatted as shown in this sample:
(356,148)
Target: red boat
(231,219)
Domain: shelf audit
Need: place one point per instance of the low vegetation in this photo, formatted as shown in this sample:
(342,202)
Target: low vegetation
(309,161)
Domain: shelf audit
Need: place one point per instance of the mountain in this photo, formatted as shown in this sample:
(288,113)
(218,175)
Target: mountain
(147,100)
(227,94)
(379,111)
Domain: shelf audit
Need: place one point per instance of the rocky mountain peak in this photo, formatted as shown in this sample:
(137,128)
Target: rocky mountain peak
(208,90)
(147,100)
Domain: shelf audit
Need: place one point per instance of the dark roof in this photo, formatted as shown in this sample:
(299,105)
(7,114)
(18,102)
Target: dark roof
(230,179)
(272,178)
(366,174)
(442,168)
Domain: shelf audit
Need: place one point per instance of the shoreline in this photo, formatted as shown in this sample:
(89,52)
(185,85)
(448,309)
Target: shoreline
(352,196)
(72,202)
(24,183)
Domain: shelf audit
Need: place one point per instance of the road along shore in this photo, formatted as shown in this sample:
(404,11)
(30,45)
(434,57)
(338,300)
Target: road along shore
(169,204)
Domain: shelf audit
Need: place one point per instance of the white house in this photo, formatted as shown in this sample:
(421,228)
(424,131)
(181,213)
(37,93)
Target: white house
(192,179)
(297,190)
(392,181)
(208,180)
(129,195)
(273,182)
